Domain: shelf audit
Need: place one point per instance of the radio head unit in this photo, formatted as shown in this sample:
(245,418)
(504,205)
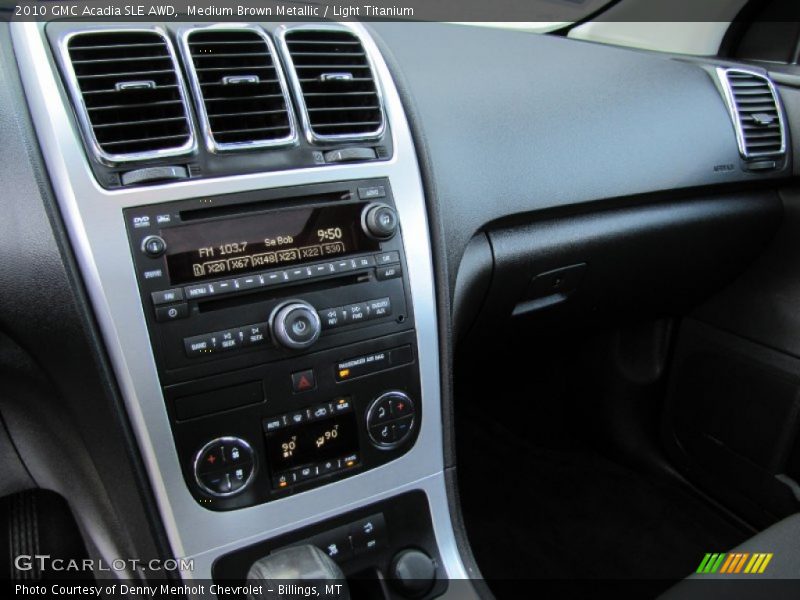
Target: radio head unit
(283,332)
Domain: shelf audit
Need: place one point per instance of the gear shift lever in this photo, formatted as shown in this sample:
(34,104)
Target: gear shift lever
(298,566)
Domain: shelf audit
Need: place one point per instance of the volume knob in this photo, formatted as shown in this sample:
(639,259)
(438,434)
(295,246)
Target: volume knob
(295,325)
(379,221)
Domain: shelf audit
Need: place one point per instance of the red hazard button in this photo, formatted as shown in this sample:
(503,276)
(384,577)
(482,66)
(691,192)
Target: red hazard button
(303,381)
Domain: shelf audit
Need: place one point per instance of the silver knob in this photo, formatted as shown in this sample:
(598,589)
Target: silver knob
(295,324)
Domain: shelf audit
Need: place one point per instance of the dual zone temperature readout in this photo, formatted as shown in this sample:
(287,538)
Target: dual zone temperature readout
(279,238)
(312,442)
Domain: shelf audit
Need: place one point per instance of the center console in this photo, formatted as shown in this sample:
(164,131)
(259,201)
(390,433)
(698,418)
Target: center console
(268,306)
(282,326)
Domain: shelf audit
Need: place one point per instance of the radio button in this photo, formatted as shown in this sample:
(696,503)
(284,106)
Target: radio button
(329,318)
(372,192)
(343,266)
(167,296)
(198,291)
(201,345)
(227,286)
(298,273)
(275,277)
(321,270)
(249,282)
(384,273)
(387,258)
(358,312)
(364,262)
(172,313)
(253,335)
(380,308)
(229,340)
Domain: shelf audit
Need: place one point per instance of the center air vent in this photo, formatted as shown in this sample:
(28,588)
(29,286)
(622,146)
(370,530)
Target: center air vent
(239,88)
(128,95)
(334,79)
(757,117)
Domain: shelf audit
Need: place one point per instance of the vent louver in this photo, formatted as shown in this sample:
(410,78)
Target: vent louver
(128,94)
(757,117)
(239,88)
(335,82)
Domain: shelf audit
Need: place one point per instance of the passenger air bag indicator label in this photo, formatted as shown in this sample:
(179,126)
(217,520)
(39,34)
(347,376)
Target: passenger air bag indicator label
(372,363)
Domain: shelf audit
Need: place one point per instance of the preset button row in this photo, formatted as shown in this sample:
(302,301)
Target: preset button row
(301,474)
(229,339)
(357,312)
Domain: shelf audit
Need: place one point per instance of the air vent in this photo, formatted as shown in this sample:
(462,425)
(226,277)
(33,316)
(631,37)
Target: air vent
(756,114)
(239,88)
(129,97)
(334,78)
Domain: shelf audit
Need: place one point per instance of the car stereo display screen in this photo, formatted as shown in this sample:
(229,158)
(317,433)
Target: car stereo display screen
(233,247)
(312,443)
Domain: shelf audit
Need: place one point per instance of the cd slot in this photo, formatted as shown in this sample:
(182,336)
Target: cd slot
(205,306)
(252,207)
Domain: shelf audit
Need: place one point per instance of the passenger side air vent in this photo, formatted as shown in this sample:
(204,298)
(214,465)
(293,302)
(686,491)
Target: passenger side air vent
(128,95)
(757,117)
(240,91)
(335,82)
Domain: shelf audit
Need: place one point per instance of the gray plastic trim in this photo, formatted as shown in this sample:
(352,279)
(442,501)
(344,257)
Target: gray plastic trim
(95,223)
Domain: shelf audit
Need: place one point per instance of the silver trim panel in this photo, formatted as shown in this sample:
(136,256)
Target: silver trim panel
(95,223)
(81,110)
(733,109)
(312,136)
(200,104)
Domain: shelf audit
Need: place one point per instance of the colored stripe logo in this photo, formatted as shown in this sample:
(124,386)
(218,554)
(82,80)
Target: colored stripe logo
(735,562)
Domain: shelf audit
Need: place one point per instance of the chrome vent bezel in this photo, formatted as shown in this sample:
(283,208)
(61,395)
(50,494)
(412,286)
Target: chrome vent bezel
(200,104)
(736,115)
(312,136)
(82,113)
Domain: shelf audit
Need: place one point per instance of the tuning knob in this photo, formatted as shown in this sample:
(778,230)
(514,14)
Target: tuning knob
(379,221)
(295,324)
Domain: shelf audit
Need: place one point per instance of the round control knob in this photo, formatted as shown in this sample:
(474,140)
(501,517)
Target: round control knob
(379,221)
(391,418)
(224,467)
(413,573)
(295,324)
(154,246)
